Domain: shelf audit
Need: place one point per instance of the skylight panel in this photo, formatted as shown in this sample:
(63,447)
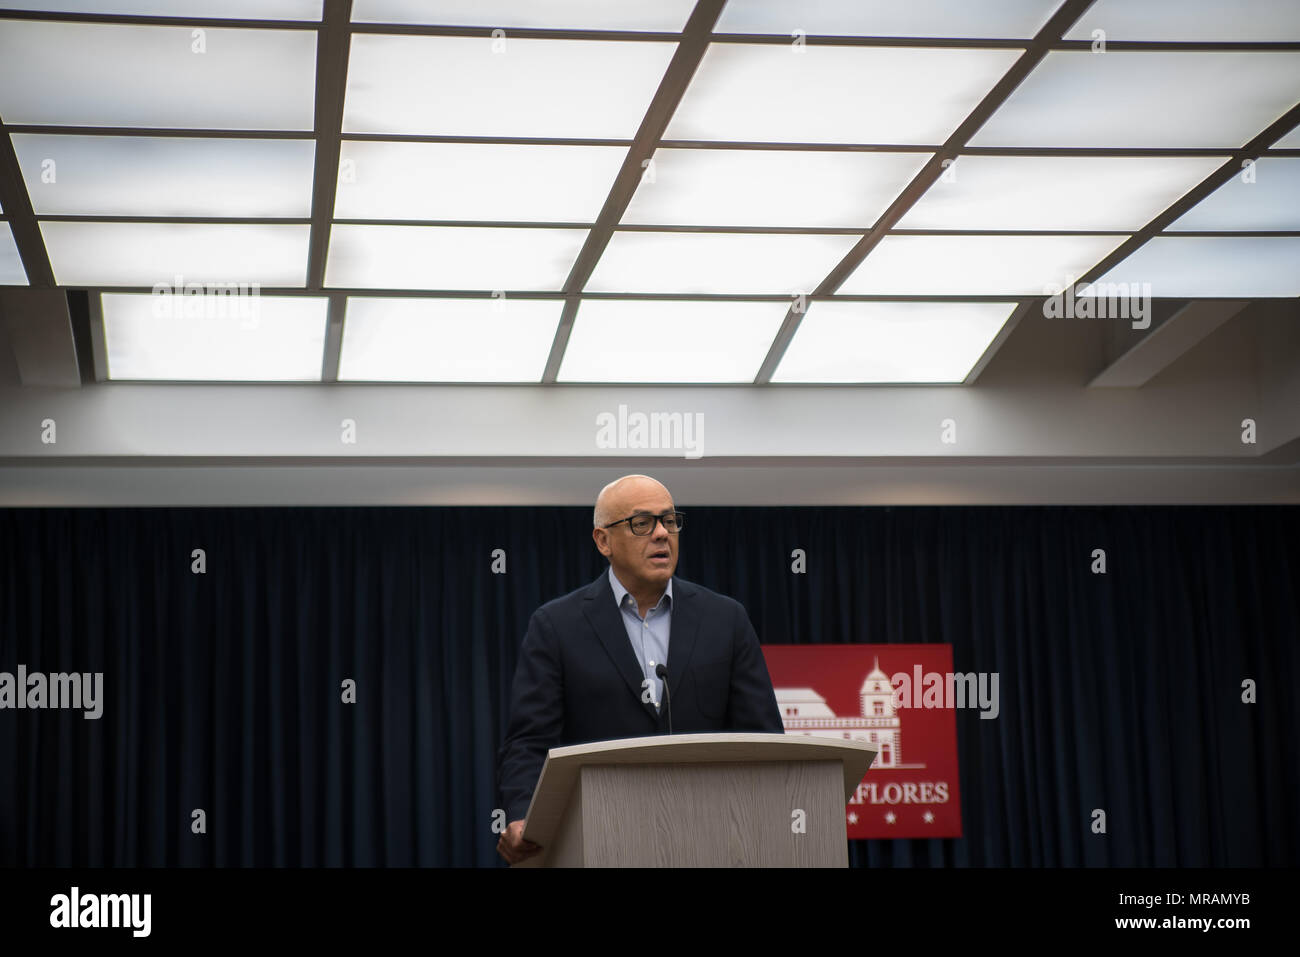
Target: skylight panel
(62,73)
(698,187)
(214,337)
(717,263)
(1209,21)
(1126,98)
(1235,267)
(176,254)
(166,176)
(887,342)
(475,181)
(1056,192)
(1264,195)
(617,340)
(508,86)
(888,18)
(976,265)
(834,94)
(452,258)
(398,339)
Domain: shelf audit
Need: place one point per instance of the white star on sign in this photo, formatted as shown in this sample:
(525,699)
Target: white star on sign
(853,817)
(928,817)
(889,818)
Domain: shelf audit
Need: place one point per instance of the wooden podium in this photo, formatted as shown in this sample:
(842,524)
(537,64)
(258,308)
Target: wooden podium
(696,800)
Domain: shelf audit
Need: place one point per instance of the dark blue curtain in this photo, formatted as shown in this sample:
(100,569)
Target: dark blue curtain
(1120,692)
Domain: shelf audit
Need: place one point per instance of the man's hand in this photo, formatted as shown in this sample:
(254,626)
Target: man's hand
(512,845)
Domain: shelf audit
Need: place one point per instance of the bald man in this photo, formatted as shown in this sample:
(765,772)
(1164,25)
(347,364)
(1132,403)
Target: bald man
(587,667)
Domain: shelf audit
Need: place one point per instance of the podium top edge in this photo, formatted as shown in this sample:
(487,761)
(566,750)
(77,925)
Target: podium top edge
(661,746)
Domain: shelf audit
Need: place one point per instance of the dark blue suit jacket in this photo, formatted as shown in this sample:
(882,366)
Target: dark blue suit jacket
(578,680)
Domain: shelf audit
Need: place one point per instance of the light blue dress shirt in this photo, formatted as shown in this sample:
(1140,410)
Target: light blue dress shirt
(649,635)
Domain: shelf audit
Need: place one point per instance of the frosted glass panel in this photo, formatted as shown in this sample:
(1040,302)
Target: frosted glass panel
(1208,266)
(888,18)
(145,254)
(255,338)
(96,74)
(670,341)
(829,94)
(166,176)
(1211,21)
(891,341)
(770,187)
(1058,192)
(447,340)
(1265,196)
(976,265)
(475,181)
(451,257)
(466,86)
(1142,99)
(717,263)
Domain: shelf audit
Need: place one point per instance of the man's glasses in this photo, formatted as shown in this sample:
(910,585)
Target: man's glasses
(643,524)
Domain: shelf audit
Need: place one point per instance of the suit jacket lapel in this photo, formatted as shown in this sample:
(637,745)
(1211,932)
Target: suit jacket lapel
(685,626)
(606,620)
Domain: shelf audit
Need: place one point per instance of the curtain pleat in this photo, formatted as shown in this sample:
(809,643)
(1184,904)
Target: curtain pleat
(1121,693)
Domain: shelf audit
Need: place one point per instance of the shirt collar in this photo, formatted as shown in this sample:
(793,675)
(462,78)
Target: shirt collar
(620,591)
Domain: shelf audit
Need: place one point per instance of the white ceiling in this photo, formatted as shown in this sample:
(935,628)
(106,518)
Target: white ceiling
(405,164)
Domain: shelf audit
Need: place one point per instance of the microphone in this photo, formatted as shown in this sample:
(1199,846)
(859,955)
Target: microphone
(661,672)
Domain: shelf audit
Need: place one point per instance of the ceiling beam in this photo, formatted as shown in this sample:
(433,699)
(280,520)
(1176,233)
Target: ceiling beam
(561,342)
(79,318)
(98,339)
(1164,343)
(338,305)
(195,131)
(1062,20)
(657,296)
(647,227)
(332,45)
(147,20)
(742,145)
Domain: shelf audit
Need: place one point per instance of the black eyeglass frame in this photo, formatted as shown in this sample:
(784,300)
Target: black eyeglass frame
(657,520)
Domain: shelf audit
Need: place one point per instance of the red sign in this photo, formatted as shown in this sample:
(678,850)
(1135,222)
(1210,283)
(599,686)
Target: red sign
(864,693)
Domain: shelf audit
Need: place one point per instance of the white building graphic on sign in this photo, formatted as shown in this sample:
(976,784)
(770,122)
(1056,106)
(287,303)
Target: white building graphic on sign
(804,711)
